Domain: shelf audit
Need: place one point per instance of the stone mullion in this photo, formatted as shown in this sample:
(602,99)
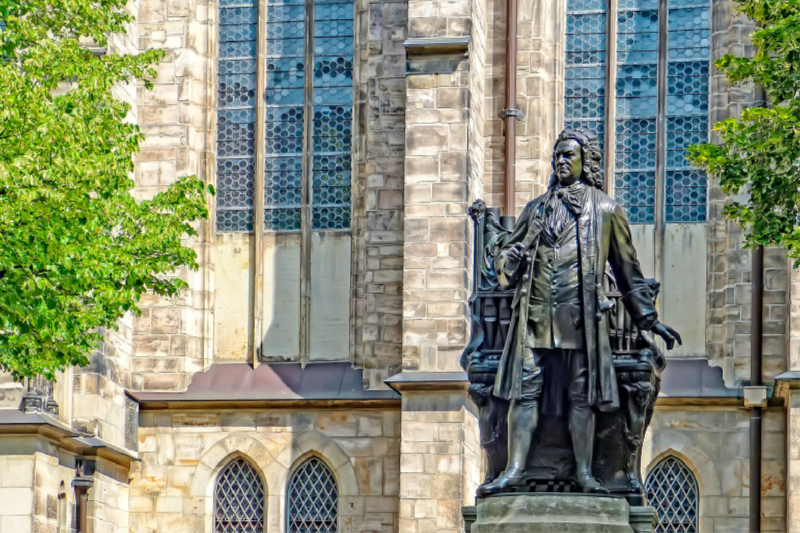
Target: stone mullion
(610,128)
(258,185)
(661,144)
(306,194)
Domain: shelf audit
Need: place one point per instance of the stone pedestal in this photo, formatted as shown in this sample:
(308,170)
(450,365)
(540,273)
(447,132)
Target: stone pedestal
(553,513)
(643,519)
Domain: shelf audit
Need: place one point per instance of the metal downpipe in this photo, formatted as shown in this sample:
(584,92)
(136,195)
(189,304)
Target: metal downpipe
(756,381)
(510,114)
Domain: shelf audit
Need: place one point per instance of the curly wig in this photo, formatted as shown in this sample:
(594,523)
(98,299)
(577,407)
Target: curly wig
(590,155)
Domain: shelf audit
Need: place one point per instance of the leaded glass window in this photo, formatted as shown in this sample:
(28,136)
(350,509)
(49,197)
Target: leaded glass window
(313,499)
(585,84)
(672,489)
(307,120)
(239,499)
(633,108)
(236,114)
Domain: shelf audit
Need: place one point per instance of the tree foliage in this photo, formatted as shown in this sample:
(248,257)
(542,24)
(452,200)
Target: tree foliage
(760,151)
(77,251)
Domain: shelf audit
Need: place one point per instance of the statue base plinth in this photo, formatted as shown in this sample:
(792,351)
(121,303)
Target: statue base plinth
(557,513)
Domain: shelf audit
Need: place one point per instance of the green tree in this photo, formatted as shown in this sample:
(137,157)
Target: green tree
(760,151)
(77,251)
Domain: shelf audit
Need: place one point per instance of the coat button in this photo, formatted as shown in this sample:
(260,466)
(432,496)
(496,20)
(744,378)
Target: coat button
(524,290)
(526,277)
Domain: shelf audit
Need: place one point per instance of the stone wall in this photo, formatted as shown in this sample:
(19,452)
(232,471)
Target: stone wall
(439,461)
(378,190)
(714,443)
(435,259)
(540,95)
(182,452)
(170,335)
(729,274)
(93,396)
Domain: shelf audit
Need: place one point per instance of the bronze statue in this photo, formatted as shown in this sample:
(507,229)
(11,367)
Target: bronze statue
(557,357)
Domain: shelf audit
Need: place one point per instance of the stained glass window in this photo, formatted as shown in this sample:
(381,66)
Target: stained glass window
(239,499)
(585,84)
(333,113)
(327,99)
(672,489)
(687,107)
(636,98)
(313,499)
(637,105)
(236,114)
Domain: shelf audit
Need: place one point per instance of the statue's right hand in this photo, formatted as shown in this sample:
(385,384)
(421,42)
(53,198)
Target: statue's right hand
(515,251)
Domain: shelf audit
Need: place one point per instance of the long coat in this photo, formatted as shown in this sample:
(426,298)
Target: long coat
(603,236)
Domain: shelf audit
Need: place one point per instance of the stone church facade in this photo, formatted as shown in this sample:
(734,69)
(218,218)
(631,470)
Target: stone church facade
(309,377)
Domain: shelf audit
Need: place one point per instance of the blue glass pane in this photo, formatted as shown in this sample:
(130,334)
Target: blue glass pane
(627,5)
(283,219)
(688,60)
(686,213)
(236,114)
(636,87)
(689,19)
(245,66)
(332,114)
(637,22)
(579,24)
(637,41)
(234,219)
(237,49)
(238,32)
(284,128)
(585,5)
(285,47)
(238,15)
(285,13)
(585,87)
(586,41)
(636,108)
(583,72)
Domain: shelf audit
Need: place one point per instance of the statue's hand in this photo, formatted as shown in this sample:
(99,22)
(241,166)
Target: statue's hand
(667,333)
(514,252)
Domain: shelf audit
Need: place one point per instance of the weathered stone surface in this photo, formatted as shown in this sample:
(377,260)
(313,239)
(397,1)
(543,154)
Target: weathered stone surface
(552,513)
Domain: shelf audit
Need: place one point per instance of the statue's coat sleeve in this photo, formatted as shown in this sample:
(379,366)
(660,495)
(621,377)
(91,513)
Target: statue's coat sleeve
(631,282)
(508,271)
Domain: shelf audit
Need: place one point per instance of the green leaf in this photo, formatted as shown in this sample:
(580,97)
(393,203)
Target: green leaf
(77,250)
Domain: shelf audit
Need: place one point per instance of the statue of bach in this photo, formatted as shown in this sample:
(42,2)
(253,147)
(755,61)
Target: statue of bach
(557,356)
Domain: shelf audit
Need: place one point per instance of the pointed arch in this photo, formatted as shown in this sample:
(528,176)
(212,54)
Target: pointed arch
(239,498)
(671,487)
(222,452)
(312,498)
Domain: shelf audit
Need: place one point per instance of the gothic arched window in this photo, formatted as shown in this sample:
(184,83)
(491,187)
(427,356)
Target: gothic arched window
(672,489)
(239,499)
(313,499)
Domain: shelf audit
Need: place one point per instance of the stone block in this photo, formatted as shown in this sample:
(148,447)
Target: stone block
(552,513)
(427,27)
(448,229)
(427,139)
(450,192)
(451,97)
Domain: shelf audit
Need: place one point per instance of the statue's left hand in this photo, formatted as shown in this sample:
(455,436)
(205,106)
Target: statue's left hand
(667,333)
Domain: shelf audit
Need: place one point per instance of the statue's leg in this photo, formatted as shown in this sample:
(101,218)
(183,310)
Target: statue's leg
(523,417)
(582,422)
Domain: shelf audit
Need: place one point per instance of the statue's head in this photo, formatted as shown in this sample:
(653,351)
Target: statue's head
(576,156)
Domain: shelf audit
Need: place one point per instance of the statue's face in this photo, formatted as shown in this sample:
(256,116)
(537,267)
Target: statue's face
(569,165)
